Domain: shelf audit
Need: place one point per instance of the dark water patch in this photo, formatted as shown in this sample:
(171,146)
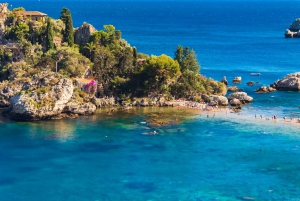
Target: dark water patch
(28,169)
(98,147)
(144,187)
(7,181)
(153,147)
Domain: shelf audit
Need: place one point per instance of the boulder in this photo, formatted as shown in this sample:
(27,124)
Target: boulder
(241,96)
(291,82)
(234,89)
(264,89)
(237,79)
(83,33)
(135,103)
(79,108)
(103,102)
(224,80)
(290,34)
(144,103)
(219,100)
(235,102)
(251,83)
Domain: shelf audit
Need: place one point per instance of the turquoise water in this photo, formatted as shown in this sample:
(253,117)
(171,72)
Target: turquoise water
(110,157)
(104,157)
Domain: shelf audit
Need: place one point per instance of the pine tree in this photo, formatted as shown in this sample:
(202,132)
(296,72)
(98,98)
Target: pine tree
(187,59)
(49,36)
(68,32)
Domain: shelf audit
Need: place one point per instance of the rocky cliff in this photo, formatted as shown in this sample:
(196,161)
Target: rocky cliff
(83,33)
(43,96)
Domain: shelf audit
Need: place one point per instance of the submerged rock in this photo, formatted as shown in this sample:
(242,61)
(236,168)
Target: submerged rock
(251,83)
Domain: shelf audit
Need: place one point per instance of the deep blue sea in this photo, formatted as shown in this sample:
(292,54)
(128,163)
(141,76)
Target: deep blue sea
(108,157)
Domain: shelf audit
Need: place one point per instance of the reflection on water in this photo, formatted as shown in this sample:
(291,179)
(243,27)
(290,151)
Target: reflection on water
(61,130)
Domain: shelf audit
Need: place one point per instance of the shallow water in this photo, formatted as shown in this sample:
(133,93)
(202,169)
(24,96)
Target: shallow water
(114,157)
(107,157)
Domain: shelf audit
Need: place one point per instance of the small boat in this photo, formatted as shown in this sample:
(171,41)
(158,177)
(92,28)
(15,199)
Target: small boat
(255,74)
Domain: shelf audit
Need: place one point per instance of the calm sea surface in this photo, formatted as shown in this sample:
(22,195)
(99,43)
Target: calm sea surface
(105,157)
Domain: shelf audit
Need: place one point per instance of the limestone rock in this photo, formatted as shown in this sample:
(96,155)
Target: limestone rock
(135,103)
(237,79)
(264,89)
(37,106)
(295,26)
(219,100)
(81,108)
(242,96)
(290,34)
(144,103)
(224,80)
(7,92)
(291,82)
(234,89)
(83,33)
(235,102)
(251,83)
(103,102)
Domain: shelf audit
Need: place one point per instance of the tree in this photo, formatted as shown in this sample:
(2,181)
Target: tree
(49,36)
(157,73)
(187,59)
(68,32)
(104,62)
(19,32)
(90,47)
(19,9)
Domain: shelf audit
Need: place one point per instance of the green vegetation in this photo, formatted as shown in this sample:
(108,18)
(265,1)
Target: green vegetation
(50,35)
(68,33)
(48,45)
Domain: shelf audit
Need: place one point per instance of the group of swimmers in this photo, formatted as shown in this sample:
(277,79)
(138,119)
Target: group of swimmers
(275,118)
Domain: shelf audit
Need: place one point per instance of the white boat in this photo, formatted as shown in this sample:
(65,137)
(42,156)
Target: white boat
(255,74)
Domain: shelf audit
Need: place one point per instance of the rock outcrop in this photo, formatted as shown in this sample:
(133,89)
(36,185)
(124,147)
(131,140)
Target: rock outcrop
(291,82)
(294,30)
(235,102)
(103,102)
(234,89)
(237,79)
(46,97)
(241,96)
(219,100)
(251,83)
(224,80)
(264,89)
(3,16)
(83,33)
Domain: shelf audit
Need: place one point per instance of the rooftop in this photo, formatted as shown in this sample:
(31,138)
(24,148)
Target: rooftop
(31,13)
